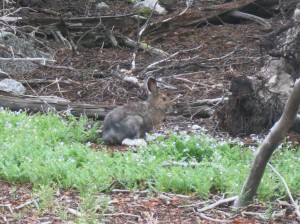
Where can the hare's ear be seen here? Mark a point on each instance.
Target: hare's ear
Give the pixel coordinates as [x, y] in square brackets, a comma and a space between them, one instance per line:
[152, 85]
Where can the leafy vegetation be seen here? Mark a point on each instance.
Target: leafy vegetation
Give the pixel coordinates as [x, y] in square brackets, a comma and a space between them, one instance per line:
[51, 152]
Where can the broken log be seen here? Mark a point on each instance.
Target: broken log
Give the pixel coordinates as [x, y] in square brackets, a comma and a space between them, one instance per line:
[82, 23]
[201, 108]
[257, 102]
[46, 103]
[250, 109]
[215, 14]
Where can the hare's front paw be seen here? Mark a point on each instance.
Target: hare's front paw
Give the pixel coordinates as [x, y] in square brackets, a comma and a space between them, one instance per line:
[134, 142]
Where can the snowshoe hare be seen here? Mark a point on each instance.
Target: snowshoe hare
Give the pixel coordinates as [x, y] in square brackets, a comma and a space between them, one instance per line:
[134, 120]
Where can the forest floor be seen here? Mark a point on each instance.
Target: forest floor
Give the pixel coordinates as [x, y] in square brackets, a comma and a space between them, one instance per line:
[226, 51]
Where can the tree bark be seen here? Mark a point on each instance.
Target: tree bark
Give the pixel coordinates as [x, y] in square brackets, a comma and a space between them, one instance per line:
[257, 102]
[201, 108]
[41, 104]
[271, 142]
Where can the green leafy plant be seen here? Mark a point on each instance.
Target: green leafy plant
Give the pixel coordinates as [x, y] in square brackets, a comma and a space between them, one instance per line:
[51, 152]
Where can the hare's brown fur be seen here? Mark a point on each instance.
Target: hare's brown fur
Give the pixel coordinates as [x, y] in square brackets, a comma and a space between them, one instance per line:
[136, 119]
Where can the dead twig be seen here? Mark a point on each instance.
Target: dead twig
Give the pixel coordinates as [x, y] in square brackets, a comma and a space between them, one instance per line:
[261, 215]
[178, 195]
[192, 164]
[170, 18]
[139, 38]
[120, 191]
[145, 47]
[126, 76]
[58, 87]
[59, 67]
[217, 203]
[75, 212]
[166, 59]
[44, 60]
[25, 204]
[5, 219]
[38, 96]
[8, 206]
[192, 205]
[211, 219]
[295, 203]
[173, 55]
[122, 214]
[251, 17]
[45, 81]
[165, 198]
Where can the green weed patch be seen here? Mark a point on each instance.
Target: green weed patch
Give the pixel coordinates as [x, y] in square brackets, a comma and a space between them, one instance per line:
[50, 150]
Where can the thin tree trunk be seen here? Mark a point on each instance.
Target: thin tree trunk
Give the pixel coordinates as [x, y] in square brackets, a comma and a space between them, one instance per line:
[271, 142]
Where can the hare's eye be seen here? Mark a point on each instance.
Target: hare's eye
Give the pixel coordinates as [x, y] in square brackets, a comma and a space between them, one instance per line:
[164, 98]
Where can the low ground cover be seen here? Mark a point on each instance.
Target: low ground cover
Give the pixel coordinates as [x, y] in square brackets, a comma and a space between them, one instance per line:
[52, 152]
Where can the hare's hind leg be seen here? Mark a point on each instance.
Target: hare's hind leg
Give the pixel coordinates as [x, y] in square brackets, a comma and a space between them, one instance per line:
[133, 125]
[129, 127]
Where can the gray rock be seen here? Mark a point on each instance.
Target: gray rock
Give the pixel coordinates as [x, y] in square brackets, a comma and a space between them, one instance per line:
[21, 49]
[102, 6]
[12, 86]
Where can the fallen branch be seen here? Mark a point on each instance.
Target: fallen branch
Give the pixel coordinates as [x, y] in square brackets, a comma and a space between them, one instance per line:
[251, 17]
[75, 212]
[2, 73]
[25, 204]
[44, 81]
[145, 47]
[168, 20]
[44, 103]
[122, 214]
[217, 203]
[261, 215]
[8, 206]
[192, 205]
[210, 102]
[59, 67]
[165, 198]
[173, 55]
[120, 191]
[211, 219]
[210, 14]
[200, 108]
[178, 195]
[5, 219]
[192, 164]
[295, 204]
[38, 96]
[9, 19]
[133, 64]
[125, 75]
[82, 23]
[27, 59]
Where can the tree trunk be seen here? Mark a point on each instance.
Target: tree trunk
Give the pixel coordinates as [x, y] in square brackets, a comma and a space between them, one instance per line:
[251, 108]
[258, 101]
[271, 142]
[262, 100]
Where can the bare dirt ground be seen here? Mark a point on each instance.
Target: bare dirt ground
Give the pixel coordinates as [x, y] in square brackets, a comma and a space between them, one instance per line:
[227, 50]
